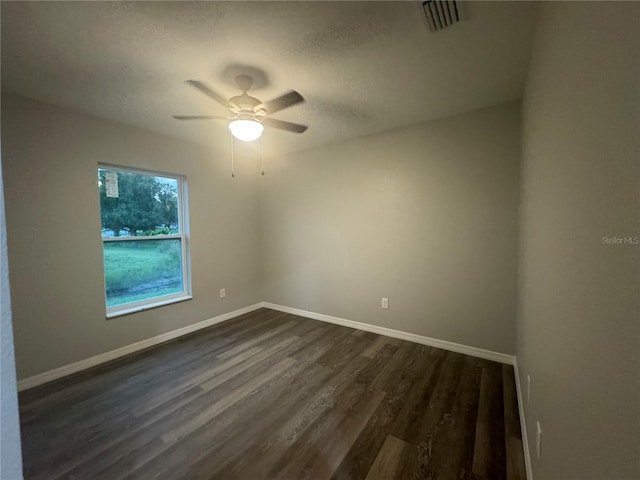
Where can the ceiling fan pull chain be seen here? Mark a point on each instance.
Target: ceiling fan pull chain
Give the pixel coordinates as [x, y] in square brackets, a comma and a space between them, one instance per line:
[262, 154]
[233, 171]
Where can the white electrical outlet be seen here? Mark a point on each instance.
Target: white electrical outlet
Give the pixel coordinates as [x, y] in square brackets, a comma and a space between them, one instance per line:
[384, 303]
[528, 387]
[223, 292]
[538, 439]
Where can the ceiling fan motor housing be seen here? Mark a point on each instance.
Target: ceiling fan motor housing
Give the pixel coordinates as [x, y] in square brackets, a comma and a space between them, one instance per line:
[246, 116]
[243, 103]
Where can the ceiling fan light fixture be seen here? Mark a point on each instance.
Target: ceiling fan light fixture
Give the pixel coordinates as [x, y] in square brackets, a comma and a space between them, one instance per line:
[246, 130]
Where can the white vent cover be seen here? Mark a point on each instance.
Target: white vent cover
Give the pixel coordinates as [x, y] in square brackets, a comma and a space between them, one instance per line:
[440, 13]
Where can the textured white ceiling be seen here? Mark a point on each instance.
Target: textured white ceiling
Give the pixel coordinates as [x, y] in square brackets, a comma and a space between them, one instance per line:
[362, 67]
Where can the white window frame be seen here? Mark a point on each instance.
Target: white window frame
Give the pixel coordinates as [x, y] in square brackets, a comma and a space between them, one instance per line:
[183, 222]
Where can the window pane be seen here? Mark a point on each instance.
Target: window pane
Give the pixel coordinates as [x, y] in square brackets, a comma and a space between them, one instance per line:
[137, 204]
[140, 270]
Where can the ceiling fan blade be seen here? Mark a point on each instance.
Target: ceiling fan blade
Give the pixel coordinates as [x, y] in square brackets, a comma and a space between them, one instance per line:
[282, 102]
[209, 93]
[282, 125]
[199, 117]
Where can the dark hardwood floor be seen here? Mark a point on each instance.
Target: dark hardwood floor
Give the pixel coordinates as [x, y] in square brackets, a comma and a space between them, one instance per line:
[275, 396]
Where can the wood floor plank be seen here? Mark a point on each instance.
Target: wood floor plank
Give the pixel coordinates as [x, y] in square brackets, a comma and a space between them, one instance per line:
[411, 360]
[230, 442]
[513, 436]
[78, 386]
[399, 367]
[440, 446]
[271, 395]
[172, 459]
[87, 410]
[438, 401]
[117, 464]
[255, 371]
[130, 376]
[225, 402]
[418, 395]
[515, 459]
[306, 460]
[482, 454]
[496, 467]
[187, 379]
[387, 462]
[238, 349]
[167, 415]
[278, 445]
[228, 366]
[373, 348]
[453, 450]
[339, 442]
[145, 405]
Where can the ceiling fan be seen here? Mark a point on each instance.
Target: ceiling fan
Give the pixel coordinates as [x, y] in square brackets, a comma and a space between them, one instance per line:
[248, 115]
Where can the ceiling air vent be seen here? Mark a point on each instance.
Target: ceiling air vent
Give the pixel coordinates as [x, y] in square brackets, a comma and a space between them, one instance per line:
[440, 13]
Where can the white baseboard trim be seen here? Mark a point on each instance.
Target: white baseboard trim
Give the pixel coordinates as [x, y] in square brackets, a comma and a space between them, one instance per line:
[63, 371]
[389, 332]
[523, 424]
[60, 372]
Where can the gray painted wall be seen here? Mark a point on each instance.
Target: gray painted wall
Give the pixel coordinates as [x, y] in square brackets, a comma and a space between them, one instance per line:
[578, 327]
[426, 216]
[10, 452]
[50, 157]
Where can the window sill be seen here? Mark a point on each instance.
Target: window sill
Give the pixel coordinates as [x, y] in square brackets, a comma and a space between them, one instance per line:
[149, 306]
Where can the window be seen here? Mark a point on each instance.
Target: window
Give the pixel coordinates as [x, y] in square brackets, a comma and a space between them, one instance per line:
[144, 239]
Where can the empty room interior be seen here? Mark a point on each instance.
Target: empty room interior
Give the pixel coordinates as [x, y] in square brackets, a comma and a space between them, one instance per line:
[320, 240]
